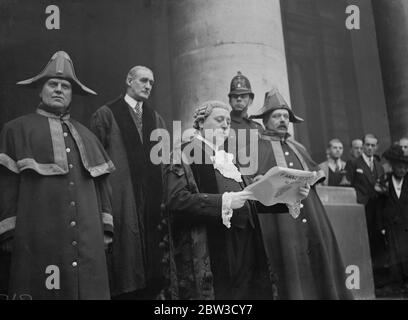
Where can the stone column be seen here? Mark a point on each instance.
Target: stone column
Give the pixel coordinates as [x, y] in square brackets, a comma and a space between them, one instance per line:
[391, 19]
[209, 41]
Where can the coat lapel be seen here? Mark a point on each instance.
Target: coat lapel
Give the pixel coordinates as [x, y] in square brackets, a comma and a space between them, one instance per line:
[133, 145]
[404, 191]
[393, 193]
[203, 173]
[377, 168]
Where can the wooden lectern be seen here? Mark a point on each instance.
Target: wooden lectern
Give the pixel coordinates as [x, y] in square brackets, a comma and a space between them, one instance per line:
[349, 224]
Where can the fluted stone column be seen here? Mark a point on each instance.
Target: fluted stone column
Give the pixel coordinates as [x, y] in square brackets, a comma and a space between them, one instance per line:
[391, 19]
[210, 40]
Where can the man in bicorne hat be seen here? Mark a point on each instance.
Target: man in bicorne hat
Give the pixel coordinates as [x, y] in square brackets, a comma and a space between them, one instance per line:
[55, 212]
[240, 98]
[301, 246]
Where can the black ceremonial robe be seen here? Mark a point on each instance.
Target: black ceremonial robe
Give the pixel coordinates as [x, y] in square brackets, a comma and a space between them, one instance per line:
[303, 252]
[55, 205]
[135, 259]
[207, 260]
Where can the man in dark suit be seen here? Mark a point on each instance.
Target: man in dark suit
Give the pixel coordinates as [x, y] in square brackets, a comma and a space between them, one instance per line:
[364, 173]
[124, 126]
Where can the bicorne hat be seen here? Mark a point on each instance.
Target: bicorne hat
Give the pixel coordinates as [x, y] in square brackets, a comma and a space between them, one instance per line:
[274, 101]
[60, 66]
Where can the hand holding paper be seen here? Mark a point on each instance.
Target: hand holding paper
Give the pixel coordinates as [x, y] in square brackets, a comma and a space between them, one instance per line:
[238, 198]
[283, 185]
[304, 191]
[257, 178]
[231, 201]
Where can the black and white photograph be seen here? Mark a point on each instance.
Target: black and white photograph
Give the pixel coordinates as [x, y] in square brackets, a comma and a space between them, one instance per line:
[221, 152]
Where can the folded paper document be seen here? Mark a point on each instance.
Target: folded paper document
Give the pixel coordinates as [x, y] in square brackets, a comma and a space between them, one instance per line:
[281, 185]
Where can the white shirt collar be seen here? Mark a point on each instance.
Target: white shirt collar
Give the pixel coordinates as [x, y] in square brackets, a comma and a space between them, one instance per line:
[368, 159]
[332, 164]
[397, 186]
[132, 102]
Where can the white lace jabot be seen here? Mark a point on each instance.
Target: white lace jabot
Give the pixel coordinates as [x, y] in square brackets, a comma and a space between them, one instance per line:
[223, 161]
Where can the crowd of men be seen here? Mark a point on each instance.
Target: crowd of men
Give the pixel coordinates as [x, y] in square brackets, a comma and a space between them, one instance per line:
[380, 186]
[85, 214]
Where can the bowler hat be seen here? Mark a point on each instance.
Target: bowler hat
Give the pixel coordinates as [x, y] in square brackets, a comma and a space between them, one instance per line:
[274, 101]
[60, 66]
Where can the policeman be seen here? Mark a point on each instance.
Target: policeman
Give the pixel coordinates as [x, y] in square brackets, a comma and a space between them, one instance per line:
[243, 129]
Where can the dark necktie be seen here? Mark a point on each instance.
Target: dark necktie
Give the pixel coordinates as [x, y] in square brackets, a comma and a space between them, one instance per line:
[371, 164]
[337, 167]
[139, 124]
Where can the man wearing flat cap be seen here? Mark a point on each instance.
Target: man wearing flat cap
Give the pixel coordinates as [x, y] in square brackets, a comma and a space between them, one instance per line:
[55, 212]
[392, 212]
[301, 246]
[215, 246]
[242, 127]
